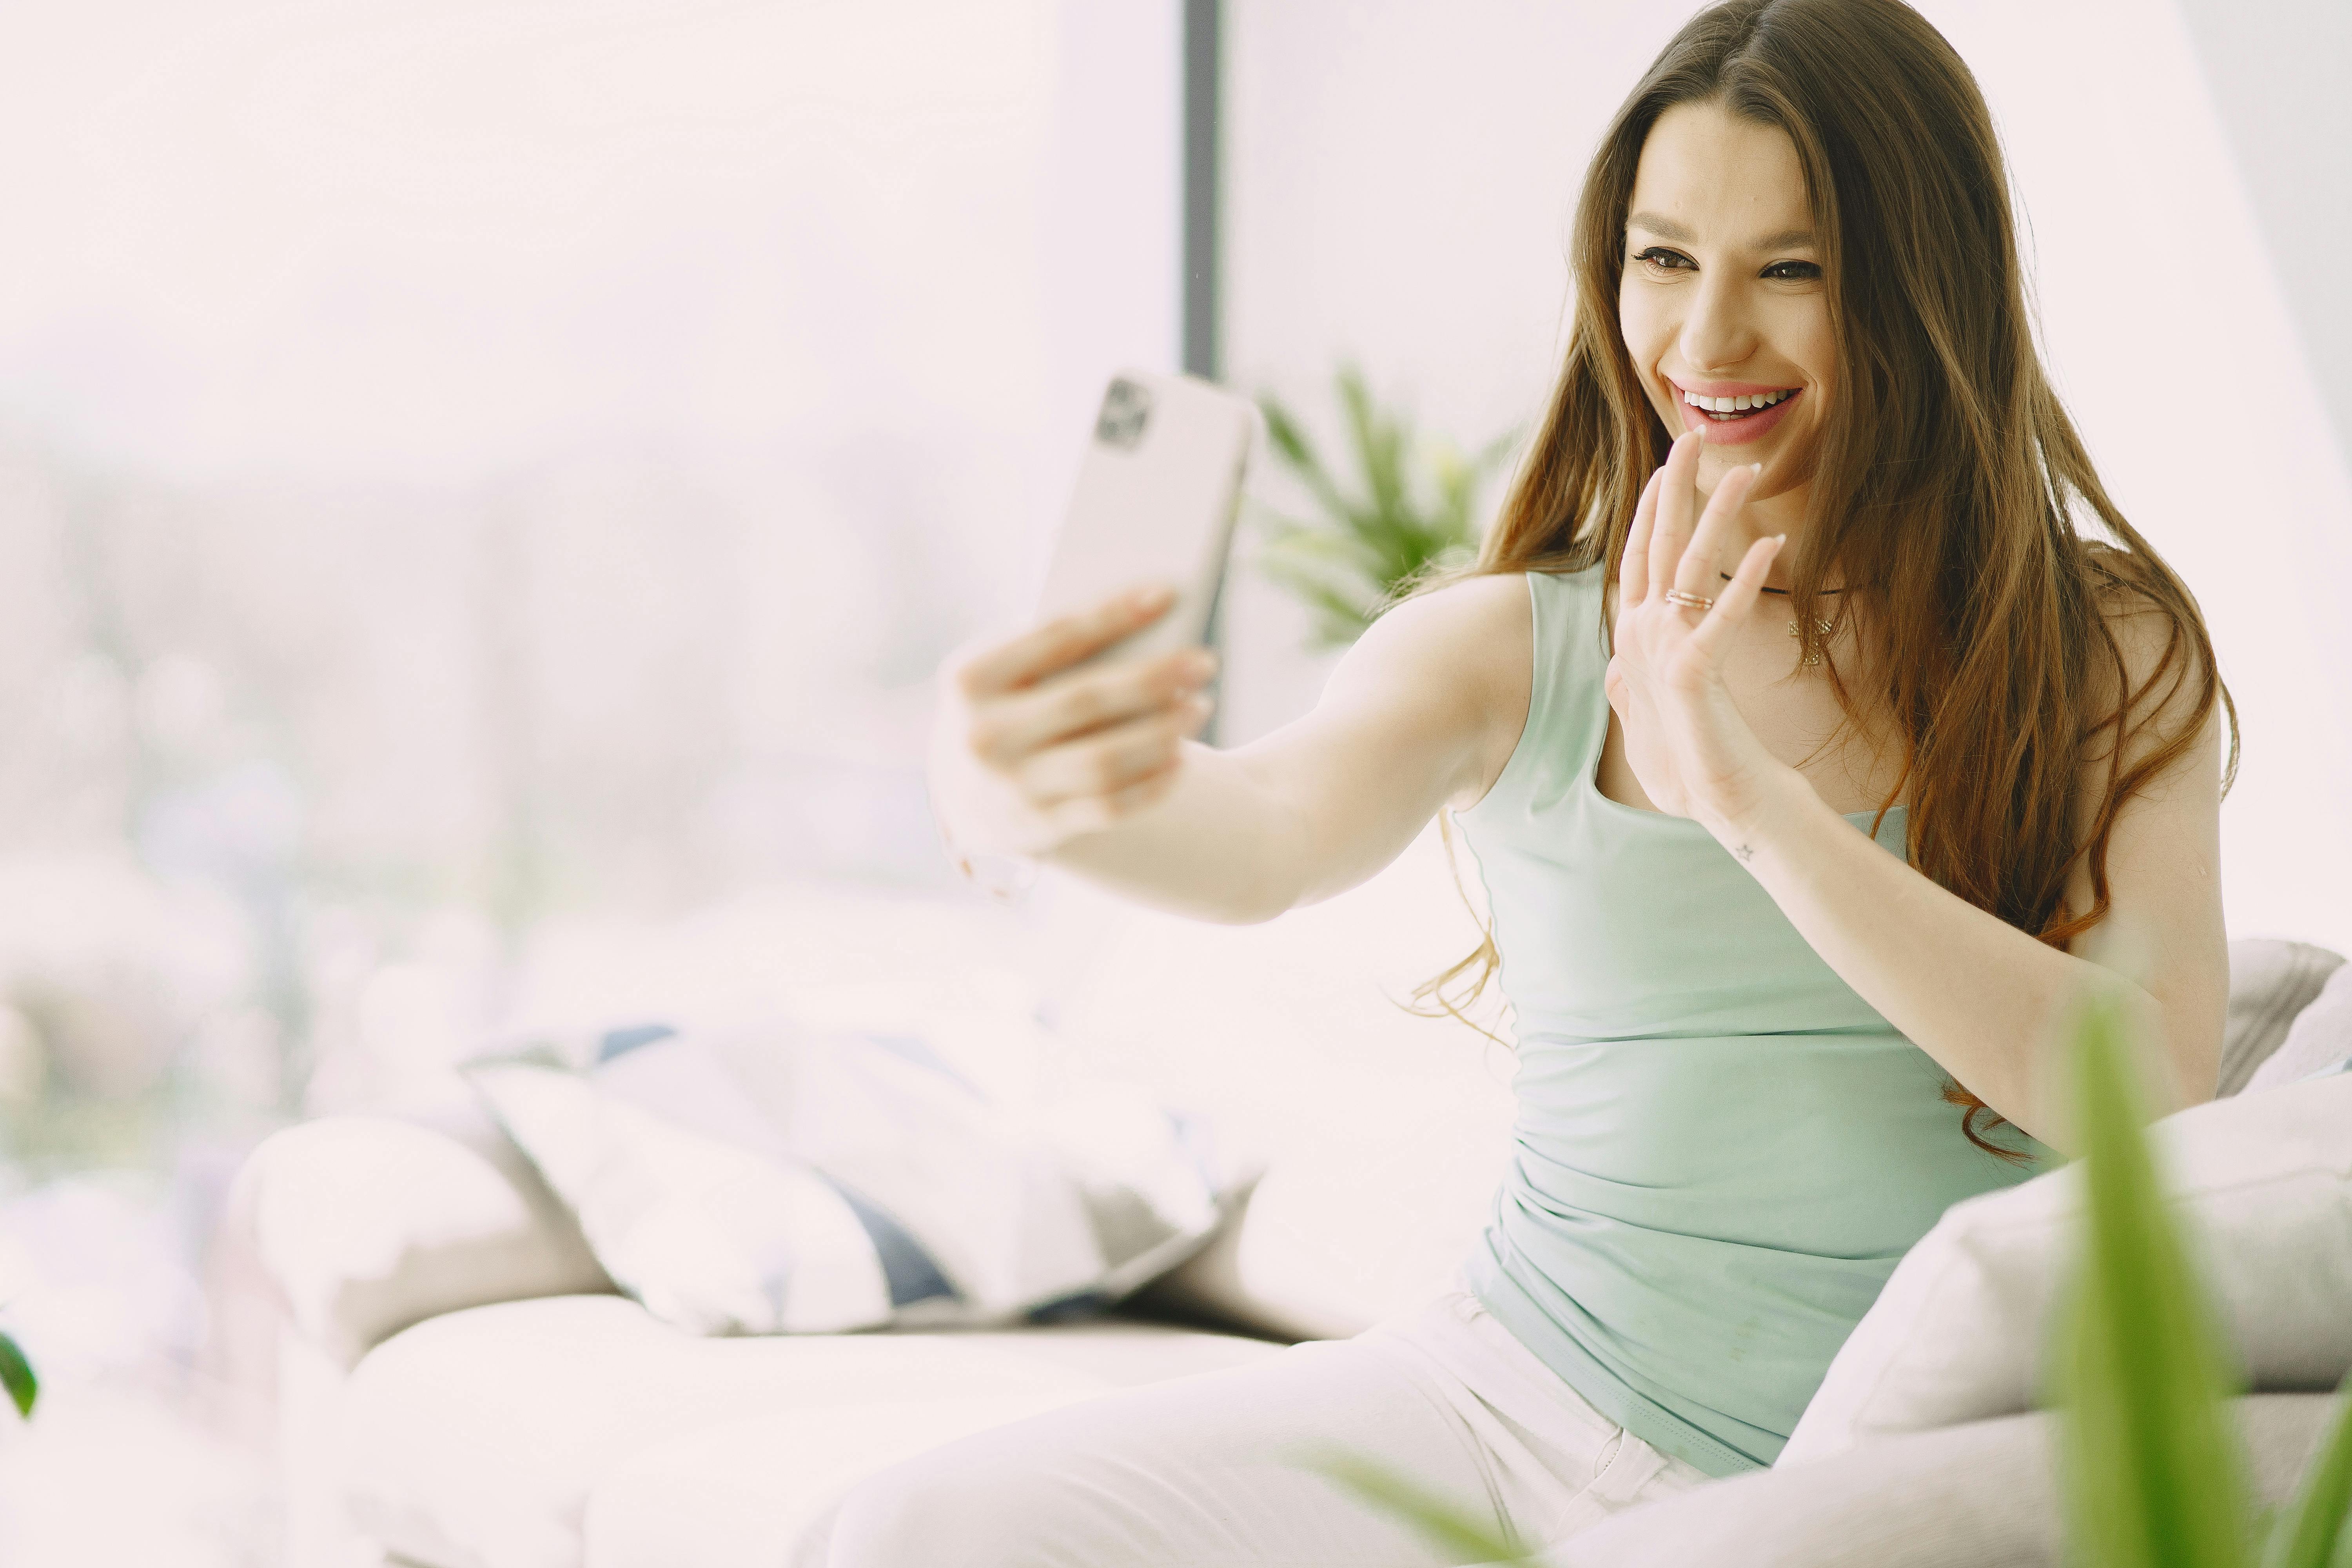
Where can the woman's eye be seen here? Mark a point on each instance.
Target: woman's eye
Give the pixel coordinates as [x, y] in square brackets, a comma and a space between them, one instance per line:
[1801, 270]
[1659, 256]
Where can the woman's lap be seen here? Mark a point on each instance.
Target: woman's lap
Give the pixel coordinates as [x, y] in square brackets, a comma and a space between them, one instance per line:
[1223, 1468]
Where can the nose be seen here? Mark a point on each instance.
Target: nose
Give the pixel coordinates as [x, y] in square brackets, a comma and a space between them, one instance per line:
[1717, 334]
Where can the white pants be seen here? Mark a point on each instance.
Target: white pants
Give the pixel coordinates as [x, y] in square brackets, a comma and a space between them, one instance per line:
[1219, 1469]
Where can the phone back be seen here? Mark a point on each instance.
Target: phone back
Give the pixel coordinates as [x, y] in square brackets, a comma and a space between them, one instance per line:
[1155, 502]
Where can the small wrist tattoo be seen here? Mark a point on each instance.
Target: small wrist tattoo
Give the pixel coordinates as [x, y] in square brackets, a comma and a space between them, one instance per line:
[1745, 853]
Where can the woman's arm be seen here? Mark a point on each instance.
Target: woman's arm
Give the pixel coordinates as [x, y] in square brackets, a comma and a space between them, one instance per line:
[1987, 1001]
[1982, 997]
[1412, 718]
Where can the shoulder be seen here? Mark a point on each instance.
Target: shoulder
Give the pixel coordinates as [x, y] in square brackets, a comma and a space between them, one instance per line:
[1467, 647]
[1464, 604]
[1453, 652]
[1490, 618]
[1478, 630]
[2159, 741]
[2159, 679]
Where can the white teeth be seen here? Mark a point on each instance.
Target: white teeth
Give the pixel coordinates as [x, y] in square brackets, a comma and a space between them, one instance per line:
[1739, 405]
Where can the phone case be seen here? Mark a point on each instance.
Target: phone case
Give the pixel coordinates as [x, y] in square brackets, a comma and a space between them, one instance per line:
[1155, 502]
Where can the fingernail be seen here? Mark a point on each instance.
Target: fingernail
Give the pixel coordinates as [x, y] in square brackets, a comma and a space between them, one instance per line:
[1149, 598]
[1756, 467]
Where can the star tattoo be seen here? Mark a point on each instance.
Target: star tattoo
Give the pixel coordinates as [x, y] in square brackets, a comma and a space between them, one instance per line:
[1745, 853]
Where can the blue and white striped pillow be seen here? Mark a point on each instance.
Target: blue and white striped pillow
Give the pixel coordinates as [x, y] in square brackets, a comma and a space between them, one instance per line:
[865, 1184]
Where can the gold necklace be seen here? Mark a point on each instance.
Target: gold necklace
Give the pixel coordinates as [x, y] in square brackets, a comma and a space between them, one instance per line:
[1820, 626]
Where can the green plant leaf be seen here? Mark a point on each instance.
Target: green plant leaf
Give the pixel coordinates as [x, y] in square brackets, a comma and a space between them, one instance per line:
[16, 1377]
[2152, 1475]
[1378, 444]
[1460, 1537]
[1290, 444]
[1412, 514]
[2311, 1532]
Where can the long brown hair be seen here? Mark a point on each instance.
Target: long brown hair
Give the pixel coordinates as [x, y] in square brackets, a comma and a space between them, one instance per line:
[1948, 486]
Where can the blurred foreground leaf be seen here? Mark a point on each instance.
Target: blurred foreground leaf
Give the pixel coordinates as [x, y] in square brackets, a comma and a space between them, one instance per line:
[16, 1377]
[2153, 1474]
[1445, 1527]
[2311, 1533]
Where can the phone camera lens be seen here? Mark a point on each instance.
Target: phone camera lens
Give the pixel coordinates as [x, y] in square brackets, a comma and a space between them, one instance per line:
[1126, 409]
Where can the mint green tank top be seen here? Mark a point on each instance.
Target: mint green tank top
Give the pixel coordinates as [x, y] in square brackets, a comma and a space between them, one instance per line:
[1720, 1150]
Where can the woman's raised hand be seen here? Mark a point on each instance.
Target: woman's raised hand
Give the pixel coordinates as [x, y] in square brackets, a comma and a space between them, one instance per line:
[1685, 739]
[1028, 753]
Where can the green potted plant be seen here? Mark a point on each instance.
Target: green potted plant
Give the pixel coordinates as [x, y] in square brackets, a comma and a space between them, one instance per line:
[2152, 1471]
[16, 1377]
[1409, 508]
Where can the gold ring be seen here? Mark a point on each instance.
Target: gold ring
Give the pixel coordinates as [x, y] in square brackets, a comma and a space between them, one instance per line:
[1689, 601]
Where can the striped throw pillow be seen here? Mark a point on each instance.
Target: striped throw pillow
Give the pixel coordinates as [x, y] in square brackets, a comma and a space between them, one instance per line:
[863, 1183]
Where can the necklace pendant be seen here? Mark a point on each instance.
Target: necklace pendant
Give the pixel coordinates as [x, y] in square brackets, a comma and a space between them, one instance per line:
[1818, 625]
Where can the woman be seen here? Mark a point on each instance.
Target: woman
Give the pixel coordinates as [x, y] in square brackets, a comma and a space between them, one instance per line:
[1816, 763]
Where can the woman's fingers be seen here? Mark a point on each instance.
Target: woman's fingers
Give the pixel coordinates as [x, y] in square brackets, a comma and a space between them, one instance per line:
[1678, 495]
[1092, 812]
[1107, 760]
[1060, 642]
[1697, 573]
[1633, 572]
[1025, 721]
[1739, 596]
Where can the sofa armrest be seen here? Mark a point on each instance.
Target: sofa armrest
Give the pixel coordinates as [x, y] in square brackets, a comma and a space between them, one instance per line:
[364, 1225]
[1960, 1497]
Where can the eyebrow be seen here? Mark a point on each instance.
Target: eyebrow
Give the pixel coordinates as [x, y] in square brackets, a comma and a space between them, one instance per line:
[1667, 229]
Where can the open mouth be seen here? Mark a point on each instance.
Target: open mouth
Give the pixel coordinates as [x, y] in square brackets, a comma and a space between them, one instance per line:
[1737, 417]
[1725, 410]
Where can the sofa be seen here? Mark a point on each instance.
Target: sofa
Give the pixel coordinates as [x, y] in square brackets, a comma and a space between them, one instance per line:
[458, 1384]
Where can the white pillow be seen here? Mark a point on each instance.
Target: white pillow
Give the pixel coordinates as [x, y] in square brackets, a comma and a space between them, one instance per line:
[2263, 1184]
[793, 1182]
[2319, 1038]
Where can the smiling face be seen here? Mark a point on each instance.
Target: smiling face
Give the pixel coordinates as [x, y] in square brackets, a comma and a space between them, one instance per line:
[1723, 306]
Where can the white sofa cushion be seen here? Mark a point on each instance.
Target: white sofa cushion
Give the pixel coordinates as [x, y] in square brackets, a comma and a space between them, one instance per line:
[478, 1438]
[366, 1224]
[2271, 981]
[2319, 1038]
[2264, 1184]
[1984, 1495]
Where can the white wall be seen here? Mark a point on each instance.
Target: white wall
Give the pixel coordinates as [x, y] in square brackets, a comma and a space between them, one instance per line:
[2276, 70]
[1400, 178]
[635, 399]
[466, 460]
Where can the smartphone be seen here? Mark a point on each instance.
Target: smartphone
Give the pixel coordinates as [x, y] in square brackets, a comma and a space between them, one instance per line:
[1155, 502]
